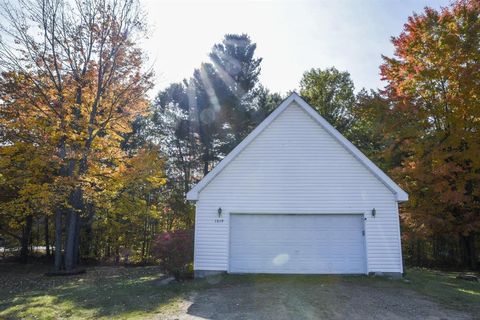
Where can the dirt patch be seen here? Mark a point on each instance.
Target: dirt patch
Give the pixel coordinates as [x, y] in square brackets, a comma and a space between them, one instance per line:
[301, 298]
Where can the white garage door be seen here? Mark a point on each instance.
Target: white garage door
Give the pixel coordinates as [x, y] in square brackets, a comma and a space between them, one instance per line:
[297, 244]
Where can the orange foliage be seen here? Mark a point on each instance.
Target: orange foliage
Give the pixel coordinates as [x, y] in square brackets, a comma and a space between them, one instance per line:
[433, 84]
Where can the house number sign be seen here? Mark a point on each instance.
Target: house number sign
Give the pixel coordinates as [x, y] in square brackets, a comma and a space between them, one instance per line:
[218, 220]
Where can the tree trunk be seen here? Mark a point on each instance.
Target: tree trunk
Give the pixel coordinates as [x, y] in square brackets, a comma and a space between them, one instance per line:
[71, 248]
[70, 240]
[186, 180]
[87, 242]
[144, 242]
[58, 240]
[473, 252]
[205, 168]
[26, 232]
[419, 252]
[75, 201]
[47, 237]
[60, 210]
[76, 247]
[468, 251]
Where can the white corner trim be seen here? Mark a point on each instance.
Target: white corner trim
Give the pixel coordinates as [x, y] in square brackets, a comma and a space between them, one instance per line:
[400, 195]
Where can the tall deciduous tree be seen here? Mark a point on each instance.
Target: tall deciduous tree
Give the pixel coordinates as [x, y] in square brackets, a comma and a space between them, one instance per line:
[368, 130]
[331, 93]
[74, 67]
[433, 80]
[27, 190]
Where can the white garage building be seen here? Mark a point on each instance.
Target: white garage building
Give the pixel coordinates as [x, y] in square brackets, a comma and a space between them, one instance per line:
[296, 197]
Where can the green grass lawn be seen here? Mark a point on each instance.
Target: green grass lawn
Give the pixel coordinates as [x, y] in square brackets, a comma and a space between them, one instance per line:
[103, 292]
[134, 292]
[445, 288]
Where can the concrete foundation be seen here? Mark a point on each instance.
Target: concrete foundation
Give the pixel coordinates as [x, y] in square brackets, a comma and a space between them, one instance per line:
[206, 273]
[394, 275]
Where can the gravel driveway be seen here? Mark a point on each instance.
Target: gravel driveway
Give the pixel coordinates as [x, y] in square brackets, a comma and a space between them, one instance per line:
[295, 297]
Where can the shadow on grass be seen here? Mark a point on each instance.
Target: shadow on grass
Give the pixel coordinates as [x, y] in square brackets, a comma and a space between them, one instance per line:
[127, 295]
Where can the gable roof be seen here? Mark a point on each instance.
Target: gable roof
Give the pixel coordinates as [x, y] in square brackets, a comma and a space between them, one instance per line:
[400, 195]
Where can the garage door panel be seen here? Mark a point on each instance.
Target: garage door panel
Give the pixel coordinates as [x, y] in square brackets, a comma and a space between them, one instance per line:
[297, 244]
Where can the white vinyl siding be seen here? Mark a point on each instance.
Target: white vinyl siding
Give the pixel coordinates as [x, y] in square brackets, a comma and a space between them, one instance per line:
[295, 166]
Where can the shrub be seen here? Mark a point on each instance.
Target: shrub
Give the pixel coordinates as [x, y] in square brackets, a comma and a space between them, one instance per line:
[175, 252]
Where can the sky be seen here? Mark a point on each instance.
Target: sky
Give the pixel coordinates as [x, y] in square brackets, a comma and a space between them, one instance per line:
[291, 36]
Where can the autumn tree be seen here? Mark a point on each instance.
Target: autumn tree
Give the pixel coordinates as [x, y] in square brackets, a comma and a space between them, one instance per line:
[129, 206]
[27, 192]
[74, 68]
[28, 188]
[368, 132]
[433, 83]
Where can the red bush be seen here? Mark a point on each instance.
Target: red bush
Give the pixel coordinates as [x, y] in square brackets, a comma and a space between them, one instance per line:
[175, 252]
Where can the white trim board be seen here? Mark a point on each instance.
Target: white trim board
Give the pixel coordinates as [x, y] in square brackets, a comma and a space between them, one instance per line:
[400, 195]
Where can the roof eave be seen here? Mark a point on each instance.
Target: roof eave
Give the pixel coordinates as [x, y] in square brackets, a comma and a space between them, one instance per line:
[192, 195]
[401, 196]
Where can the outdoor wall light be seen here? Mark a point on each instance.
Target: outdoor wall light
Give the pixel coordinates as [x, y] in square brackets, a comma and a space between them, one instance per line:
[219, 212]
[374, 212]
